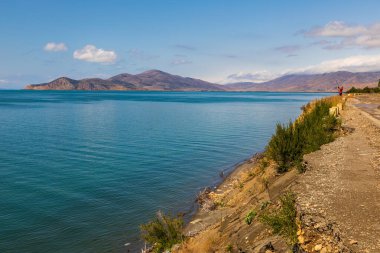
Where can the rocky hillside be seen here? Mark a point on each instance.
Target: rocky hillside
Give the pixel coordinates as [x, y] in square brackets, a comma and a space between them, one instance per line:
[311, 82]
[149, 80]
[159, 80]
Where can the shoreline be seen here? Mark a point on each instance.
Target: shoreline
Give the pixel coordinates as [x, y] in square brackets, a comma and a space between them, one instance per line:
[225, 222]
[227, 175]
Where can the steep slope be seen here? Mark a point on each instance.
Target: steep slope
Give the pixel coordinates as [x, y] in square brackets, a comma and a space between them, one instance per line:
[311, 82]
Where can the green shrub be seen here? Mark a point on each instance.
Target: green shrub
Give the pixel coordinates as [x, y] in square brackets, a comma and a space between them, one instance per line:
[283, 221]
[364, 90]
[264, 205]
[290, 142]
[229, 248]
[250, 217]
[163, 232]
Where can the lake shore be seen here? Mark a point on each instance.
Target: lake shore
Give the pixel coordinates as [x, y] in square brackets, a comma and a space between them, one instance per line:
[328, 214]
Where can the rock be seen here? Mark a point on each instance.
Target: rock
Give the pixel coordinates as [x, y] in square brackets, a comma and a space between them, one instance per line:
[323, 250]
[195, 221]
[318, 247]
[266, 247]
[352, 242]
[301, 239]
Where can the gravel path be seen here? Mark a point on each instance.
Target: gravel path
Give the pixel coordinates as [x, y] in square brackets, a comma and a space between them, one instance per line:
[342, 183]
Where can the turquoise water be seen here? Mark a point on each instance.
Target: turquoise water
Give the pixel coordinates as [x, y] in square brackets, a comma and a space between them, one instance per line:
[79, 171]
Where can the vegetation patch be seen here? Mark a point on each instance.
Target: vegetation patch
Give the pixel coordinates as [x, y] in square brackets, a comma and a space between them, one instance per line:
[283, 221]
[311, 130]
[163, 232]
[250, 217]
[365, 89]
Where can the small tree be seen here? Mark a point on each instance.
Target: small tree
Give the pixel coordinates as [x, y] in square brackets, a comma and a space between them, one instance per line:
[162, 232]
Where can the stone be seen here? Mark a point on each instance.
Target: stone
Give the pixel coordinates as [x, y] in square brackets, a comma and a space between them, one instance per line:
[318, 247]
[352, 242]
[333, 111]
[340, 107]
[323, 250]
[195, 221]
[301, 239]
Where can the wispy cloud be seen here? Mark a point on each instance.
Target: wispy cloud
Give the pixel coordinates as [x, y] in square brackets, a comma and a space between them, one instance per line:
[255, 76]
[55, 47]
[3, 81]
[185, 47]
[180, 61]
[288, 49]
[91, 53]
[230, 56]
[342, 35]
[140, 55]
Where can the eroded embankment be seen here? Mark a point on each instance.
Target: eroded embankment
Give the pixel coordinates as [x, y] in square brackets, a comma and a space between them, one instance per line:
[337, 200]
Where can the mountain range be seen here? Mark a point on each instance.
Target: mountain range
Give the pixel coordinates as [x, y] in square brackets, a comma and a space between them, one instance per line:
[148, 80]
[159, 80]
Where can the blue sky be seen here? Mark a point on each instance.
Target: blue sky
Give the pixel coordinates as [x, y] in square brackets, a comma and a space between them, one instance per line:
[215, 40]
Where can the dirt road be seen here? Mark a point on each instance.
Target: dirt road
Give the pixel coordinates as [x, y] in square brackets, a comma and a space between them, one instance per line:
[342, 183]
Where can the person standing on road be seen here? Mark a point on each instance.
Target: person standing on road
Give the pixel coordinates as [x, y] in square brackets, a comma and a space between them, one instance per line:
[340, 90]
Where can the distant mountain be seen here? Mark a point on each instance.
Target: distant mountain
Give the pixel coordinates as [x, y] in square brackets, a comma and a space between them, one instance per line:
[311, 82]
[148, 80]
[158, 80]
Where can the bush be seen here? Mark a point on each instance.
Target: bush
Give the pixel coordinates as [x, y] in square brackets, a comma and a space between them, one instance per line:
[364, 90]
[290, 142]
[163, 232]
[250, 217]
[283, 221]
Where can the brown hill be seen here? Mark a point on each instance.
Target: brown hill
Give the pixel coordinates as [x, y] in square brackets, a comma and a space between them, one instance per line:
[149, 80]
[158, 80]
[311, 82]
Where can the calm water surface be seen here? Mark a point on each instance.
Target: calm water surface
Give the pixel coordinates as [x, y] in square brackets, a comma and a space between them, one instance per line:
[79, 171]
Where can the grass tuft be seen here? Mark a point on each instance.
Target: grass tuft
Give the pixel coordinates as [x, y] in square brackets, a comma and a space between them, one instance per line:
[283, 220]
[250, 217]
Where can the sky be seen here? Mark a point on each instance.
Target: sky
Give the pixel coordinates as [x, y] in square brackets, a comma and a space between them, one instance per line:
[219, 41]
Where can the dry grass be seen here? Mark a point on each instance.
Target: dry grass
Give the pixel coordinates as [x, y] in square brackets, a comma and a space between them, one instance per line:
[205, 242]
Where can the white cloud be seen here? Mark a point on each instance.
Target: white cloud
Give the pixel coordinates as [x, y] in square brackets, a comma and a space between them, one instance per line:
[337, 29]
[3, 81]
[358, 63]
[92, 54]
[255, 76]
[55, 47]
[180, 61]
[348, 35]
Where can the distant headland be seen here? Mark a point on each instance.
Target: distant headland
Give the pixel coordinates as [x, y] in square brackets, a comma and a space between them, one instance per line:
[161, 81]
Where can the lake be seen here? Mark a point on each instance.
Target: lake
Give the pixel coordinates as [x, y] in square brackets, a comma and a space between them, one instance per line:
[80, 170]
